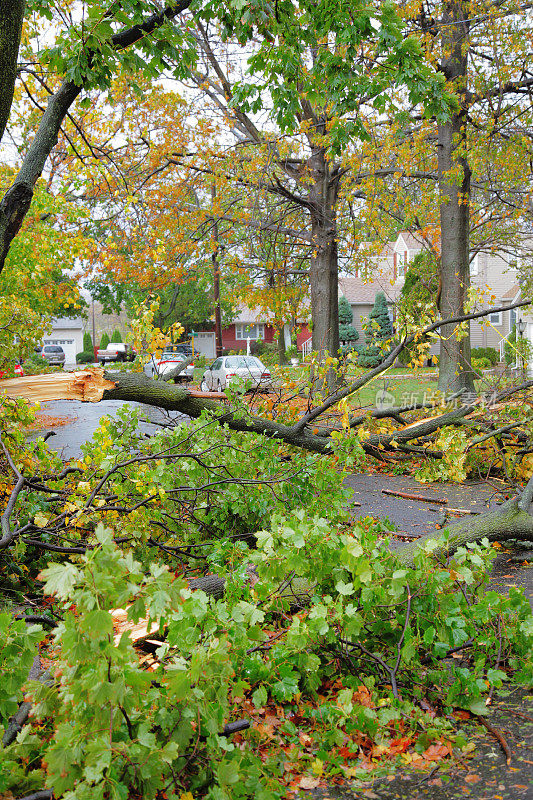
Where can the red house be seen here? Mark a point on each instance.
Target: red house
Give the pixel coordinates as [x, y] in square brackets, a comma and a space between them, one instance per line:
[247, 325]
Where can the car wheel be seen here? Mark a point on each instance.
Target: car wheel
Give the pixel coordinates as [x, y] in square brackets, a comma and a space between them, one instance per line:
[203, 386]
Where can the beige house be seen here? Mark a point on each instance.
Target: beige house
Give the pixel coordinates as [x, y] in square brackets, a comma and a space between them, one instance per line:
[495, 275]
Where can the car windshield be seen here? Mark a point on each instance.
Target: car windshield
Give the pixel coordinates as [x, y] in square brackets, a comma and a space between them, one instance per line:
[53, 349]
[172, 357]
[243, 362]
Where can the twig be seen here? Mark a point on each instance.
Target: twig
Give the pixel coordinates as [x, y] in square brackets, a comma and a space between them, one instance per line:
[429, 775]
[38, 619]
[497, 735]
[42, 794]
[265, 645]
[418, 497]
[235, 727]
[458, 511]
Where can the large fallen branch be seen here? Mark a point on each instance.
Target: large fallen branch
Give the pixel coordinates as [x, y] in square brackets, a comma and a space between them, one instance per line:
[93, 385]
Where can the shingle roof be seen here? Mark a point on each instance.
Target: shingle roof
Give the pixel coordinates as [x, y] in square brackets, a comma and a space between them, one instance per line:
[511, 293]
[246, 315]
[360, 292]
[65, 322]
[412, 241]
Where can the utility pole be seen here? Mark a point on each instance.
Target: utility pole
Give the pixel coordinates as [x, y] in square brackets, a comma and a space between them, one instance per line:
[216, 279]
[94, 332]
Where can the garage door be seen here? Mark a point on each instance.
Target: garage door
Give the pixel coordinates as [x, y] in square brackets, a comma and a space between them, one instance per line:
[69, 347]
[204, 343]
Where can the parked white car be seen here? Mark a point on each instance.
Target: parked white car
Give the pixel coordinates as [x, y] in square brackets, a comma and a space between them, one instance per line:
[224, 369]
[162, 367]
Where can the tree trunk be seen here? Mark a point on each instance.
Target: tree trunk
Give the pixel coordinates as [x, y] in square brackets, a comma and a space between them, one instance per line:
[454, 187]
[324, 268]
[282, 353]
[508, 522]
[11, 17]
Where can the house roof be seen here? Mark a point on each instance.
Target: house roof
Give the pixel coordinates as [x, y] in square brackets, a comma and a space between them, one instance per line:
[512, 292]
[247, 316]
[64, 323]
[360, 292]
[412, 241]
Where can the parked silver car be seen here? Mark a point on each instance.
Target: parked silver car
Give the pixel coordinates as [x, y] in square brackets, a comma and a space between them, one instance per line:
[53, 353]
[162, 367]
[224, 369]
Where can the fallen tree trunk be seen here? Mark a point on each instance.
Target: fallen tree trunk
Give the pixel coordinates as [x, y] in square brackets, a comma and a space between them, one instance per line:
[94, 385]
[509, 521]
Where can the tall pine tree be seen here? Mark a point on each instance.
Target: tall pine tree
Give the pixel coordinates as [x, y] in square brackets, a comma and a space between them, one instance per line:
[378, 331]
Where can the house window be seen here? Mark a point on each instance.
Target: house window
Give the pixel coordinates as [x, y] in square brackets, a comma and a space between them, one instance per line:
[250, 331]
[474, 265]
[512, 319]
[401, 261]
[495, 318]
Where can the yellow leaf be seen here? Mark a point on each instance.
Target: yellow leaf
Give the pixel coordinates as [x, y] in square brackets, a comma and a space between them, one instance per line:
[41, 520]
[318, 767]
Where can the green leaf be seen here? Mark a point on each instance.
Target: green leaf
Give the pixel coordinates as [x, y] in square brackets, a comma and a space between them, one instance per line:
[60, 579]
[260, 696]
[477, 706]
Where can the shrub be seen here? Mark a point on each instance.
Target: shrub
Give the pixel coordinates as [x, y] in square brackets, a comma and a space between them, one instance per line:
[116, 337]
[87, 342]
[104, 341]
[345, 349]
[481, 363]
[490, 353]
[35, 364]
[85, 357]
[347, 332]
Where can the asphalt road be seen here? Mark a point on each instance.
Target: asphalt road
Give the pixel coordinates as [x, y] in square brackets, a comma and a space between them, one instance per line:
[85, 419]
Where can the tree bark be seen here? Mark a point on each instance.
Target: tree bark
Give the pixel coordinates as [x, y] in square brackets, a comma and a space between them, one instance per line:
[324, 269]
[454, 186]
[282, 353]
[507, 522]
[11, 18]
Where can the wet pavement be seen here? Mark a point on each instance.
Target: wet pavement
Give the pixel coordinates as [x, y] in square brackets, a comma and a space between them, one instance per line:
[414, 517]
[84, 419]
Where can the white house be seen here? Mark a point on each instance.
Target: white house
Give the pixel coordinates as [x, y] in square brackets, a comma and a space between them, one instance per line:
[496, 274]
[69, 334]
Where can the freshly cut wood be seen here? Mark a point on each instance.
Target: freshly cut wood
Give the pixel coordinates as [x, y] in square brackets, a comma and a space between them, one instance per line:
[136, 632]
[86, 385]
[418, 497]
[208, 395]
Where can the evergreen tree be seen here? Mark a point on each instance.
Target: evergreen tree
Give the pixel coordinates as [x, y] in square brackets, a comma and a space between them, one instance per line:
[104, 341]
[347, 332]
[117, 336]
[417, 299]
[87, 342]
[377, 331]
